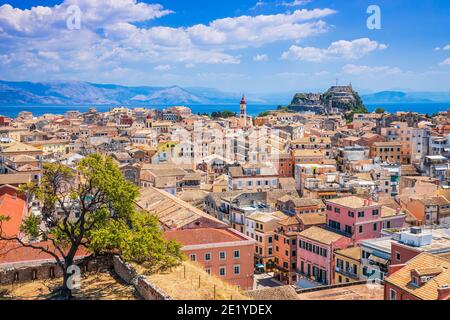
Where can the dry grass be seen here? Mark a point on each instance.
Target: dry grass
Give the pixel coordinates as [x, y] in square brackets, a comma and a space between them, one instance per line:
[99, 286]
[179, 287]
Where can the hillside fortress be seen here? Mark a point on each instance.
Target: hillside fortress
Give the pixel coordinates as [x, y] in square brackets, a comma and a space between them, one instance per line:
[335, 99]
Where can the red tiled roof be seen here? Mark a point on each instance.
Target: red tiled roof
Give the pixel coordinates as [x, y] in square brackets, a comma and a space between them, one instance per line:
[14, 208]
[12, 252]
[203, 236]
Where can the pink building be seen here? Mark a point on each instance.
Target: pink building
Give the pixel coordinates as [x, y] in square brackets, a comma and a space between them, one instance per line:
[223, 252]
[354, 217]
[360, 218]
[315, 254]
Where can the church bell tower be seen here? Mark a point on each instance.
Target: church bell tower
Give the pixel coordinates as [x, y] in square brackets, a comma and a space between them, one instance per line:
[243, 111]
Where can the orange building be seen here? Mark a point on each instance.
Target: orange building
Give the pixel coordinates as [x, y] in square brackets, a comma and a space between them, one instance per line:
[387, 151]
[306, 156]
[284, 165]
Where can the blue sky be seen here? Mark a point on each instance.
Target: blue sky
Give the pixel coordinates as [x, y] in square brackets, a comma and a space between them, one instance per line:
[243, 46]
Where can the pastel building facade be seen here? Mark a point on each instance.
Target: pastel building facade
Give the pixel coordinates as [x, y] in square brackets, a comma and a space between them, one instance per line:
[354, 217]
[224, 253]
[315, 253]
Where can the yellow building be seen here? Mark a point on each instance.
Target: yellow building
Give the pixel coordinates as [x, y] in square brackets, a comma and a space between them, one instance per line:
[347, 265]
[166, 151]
[54, 146]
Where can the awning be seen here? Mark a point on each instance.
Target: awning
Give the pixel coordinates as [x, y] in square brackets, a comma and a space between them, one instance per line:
[260, 265]
[379, 260]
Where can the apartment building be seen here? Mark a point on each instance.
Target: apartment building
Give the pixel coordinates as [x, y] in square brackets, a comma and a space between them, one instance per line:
[264, 229]
[222, 252]
[354, 217]
[252, 177]
[390, 151]
[316, 247]
[347, 265]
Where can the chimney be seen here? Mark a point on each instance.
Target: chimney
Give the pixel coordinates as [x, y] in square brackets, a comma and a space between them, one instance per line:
[444, 292]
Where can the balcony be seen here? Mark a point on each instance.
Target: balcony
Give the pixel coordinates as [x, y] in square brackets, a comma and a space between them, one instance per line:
[338, 231]
[348, 273]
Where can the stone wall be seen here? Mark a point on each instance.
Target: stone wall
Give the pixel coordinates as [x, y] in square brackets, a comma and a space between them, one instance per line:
[48, 269]
[124, 270]
[149, 291]
[146, 289]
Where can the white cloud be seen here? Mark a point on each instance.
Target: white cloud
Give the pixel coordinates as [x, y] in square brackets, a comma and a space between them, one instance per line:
[163, 67]
[437, 49]
[189, 65]
[322, 73]
[36, 40]
[361, 69]
[339, 49]
[258, 4]
[261, 57]
[447, 47]
[211, 76]
[446, 62]
[48, 55]
[95, 14]
[295, 3]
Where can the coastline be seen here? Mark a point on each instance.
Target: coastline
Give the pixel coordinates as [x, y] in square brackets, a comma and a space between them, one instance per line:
[252, 110]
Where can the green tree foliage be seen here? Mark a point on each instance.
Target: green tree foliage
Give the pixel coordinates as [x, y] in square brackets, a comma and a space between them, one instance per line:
[264, 114]
[223, 114]
[93, 208]
[379, 110]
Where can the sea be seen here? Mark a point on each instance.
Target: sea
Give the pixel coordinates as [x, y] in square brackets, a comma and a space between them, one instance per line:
[253, 110]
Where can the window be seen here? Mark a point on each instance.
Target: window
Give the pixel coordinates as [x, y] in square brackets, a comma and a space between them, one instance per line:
[222, 255]
[222, 271]
[193, 257]
[375, 212]
[237, 254]
[360, 229]
[207, 256]
[351, 214]
[361, 214]
[348, 229]
[392, 294]
[337, 210]
[375, 226]
[398, 256]
[237, 269]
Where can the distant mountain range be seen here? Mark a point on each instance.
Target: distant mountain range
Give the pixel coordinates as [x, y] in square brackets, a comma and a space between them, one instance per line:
[405, 97]
[83, 93]
[86, 93]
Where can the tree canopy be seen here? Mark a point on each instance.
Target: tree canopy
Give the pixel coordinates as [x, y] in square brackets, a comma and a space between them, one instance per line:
[92, 208]
[223, 114]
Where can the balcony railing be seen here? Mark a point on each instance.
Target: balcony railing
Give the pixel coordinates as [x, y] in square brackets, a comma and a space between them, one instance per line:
[348, 273]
